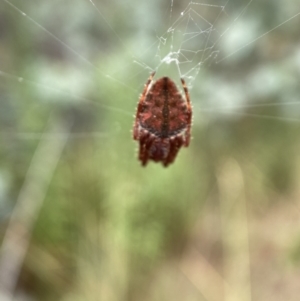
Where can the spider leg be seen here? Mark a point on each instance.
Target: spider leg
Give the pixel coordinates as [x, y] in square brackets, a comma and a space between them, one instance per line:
[143, 153]
[175, 145]
[140, 106]
[189, 113]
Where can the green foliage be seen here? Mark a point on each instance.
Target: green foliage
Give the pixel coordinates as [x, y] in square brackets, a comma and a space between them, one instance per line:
[109, 228]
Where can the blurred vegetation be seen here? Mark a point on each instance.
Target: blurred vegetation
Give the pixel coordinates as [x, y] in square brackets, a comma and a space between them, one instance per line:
[111, 230]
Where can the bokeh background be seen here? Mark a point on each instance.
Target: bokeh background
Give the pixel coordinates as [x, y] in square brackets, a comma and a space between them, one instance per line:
[80, 219]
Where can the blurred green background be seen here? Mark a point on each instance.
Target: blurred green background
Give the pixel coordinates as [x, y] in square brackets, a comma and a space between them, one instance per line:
[80, 219]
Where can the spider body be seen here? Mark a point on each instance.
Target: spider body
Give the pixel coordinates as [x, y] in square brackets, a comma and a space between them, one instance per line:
[163, 121]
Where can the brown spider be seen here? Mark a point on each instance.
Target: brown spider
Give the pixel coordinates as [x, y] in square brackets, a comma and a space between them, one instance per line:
[163, 121]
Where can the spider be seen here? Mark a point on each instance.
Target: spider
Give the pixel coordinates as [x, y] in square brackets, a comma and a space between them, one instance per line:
[163, 121]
